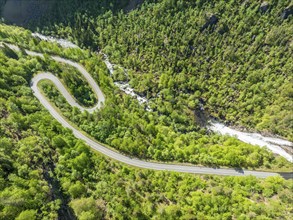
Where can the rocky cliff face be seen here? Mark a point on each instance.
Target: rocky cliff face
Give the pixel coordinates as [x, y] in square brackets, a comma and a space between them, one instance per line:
[133, 4]
[22, 12]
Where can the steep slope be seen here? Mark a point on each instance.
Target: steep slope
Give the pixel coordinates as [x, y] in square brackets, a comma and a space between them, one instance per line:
[226, 57]
[241, 75]
[46, 173]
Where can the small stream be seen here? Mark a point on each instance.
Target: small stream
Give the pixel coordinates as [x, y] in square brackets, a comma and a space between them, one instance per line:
[124, 86]
[273, 144]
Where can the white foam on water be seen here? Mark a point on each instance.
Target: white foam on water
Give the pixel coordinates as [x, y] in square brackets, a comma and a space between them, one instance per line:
[273, 144]
[61, 42]
[109, 65]
[124, 86]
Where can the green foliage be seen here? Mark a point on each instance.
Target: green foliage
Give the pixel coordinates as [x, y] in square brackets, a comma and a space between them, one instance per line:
[237, 66]
[45, 172]
[169, 136]
[278, 116]
[86, 209]
[27, 215]
[148, 135]
[77, 85]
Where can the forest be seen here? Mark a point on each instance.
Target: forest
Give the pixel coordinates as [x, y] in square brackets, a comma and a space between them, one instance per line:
[124, 124]
[237, 69]
[46, 172]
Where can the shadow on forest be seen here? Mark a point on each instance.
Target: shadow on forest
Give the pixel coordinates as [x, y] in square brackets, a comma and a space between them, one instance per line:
[29, 13]
[239, 170]
[42, 16]
[286, 175]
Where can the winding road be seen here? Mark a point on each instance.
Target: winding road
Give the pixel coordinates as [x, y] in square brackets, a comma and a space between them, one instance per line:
[104, 150]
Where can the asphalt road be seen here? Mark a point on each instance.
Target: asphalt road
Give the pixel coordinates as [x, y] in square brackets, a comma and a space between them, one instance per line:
[106, 151]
